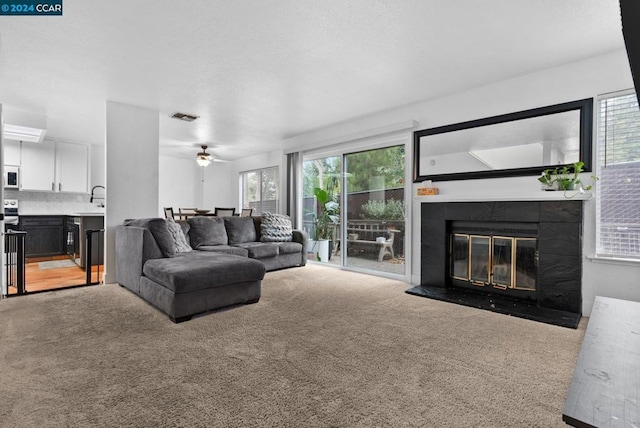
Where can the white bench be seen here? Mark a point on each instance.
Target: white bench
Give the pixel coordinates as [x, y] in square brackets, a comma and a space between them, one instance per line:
[384, 247]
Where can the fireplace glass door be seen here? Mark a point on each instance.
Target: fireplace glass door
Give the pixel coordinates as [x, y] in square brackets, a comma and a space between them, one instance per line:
[527, 257]
[479, 259]
[460, 257]
[502, 262]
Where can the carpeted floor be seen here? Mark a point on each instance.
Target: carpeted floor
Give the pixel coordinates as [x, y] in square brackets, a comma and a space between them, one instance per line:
[322, 348]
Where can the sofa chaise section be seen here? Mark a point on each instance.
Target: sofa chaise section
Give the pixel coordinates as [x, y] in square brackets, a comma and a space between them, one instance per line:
[190, 284]
[186, 283]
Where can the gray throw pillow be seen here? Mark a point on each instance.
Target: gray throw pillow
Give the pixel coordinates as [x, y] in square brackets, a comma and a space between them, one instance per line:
[165, 234]
[185, 226]
[240, 230]
[160, 230]
[207, 231]
[179, 239]
[276, 228]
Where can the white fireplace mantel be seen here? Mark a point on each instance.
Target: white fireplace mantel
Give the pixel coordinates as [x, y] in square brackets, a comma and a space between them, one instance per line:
[541, 195]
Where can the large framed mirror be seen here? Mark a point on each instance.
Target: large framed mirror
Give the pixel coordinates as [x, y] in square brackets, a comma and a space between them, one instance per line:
[521, 143]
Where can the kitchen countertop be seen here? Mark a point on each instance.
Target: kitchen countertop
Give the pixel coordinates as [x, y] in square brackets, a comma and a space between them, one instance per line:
[68, 214]
[87, 214]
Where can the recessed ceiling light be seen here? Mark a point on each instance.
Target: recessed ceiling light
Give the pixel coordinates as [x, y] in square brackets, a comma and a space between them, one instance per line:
[23, 133]
[184, 116]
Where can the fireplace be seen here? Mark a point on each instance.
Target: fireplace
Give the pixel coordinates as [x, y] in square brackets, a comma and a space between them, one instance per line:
[495, 256]
[518, 257]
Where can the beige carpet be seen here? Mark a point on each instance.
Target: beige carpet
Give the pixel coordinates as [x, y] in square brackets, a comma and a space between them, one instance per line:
[322, 348]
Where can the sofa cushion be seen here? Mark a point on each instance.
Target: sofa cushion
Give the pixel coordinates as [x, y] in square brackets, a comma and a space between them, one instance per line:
[179, 239]
[225, 249]
[260, 250]
[240, 230]
[276, 228]
[207, 231]
[185, 226]
[289, 247]
[257, 222]
[200, 270]
[160, 231]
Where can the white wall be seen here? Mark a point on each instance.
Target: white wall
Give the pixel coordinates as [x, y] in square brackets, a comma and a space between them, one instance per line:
[98, 166]
[584, 79]
[219, 188]
[180, 184]
[132, 143]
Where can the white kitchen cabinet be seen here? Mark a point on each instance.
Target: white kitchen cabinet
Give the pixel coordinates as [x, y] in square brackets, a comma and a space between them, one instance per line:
[55, 167]
[37, 170]
[12, 152]
[72, 167]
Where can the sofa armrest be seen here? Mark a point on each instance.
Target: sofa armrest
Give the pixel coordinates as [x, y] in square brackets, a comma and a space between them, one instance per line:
[302, 237]
[134, 246]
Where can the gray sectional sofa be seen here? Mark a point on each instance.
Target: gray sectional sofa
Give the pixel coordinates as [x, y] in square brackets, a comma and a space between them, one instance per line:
[189, 267]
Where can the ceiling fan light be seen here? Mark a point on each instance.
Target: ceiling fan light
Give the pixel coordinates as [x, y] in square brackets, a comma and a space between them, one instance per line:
[203, 158]
[203, 161]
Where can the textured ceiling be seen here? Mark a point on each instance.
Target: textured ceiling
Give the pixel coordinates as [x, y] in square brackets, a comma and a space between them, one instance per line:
[258, 71]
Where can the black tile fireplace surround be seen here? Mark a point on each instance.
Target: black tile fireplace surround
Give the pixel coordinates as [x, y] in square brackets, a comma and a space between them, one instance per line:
[558, 296]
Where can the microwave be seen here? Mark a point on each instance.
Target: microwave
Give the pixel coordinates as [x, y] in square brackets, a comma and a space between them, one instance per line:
[11, 177]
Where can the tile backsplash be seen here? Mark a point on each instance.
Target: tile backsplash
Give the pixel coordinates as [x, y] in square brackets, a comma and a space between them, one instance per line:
[44, 203]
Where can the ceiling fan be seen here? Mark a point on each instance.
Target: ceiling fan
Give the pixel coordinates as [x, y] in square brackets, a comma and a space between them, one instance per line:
[203, 158]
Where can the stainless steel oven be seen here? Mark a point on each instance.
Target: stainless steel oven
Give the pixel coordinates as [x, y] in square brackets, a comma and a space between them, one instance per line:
[11, 218]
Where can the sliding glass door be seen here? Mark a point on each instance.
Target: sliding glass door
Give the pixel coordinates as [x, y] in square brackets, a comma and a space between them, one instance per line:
[354, 209]
[321, 207]
[375, 210]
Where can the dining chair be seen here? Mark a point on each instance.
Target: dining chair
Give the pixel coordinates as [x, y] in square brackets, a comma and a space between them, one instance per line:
[185, 213]
[168, 212]
[246, 212]
[224, 212]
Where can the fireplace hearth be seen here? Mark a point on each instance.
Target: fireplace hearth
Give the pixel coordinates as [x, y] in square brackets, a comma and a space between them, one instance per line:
[516, 257]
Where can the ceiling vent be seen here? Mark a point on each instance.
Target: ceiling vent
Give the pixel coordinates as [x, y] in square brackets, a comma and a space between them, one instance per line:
[184, 116]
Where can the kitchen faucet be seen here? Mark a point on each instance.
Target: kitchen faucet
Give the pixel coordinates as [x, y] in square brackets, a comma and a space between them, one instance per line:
[96, 197]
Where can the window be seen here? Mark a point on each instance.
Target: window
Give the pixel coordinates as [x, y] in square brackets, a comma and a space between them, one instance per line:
[618, 166]
[260, 190]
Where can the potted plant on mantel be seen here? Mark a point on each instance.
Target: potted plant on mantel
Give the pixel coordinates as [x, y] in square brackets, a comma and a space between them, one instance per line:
[329, 215]
[565, 178]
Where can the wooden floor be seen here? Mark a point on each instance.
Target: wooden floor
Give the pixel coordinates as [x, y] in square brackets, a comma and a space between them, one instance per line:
[37, 279]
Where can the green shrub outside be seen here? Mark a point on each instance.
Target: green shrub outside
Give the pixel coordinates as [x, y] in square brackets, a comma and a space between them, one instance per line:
[381, 210]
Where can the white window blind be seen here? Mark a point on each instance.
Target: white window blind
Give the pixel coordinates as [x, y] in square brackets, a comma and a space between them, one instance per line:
[618, 166]
[260, 190]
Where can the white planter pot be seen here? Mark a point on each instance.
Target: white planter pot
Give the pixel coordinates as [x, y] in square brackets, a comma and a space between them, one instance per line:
[322, 252]
[319, 250]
